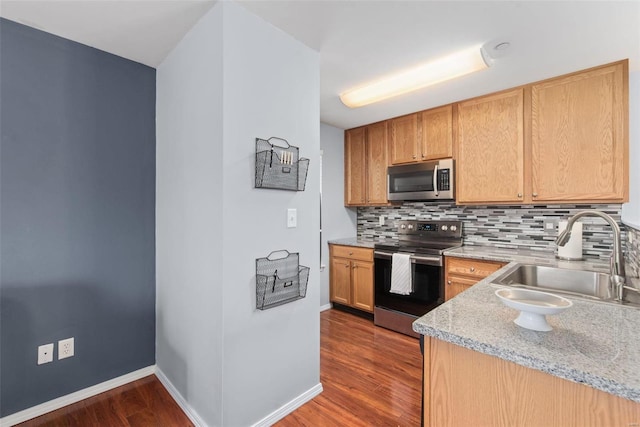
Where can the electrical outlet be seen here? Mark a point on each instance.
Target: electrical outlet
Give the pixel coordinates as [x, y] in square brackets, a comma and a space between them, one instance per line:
[65, 348]
[549, 225]
[381, 220]
[45, 353]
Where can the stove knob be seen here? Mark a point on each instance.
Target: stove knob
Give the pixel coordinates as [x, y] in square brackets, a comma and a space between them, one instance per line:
[410, 227]
[403, 226]
[453, 228]
[444, 228]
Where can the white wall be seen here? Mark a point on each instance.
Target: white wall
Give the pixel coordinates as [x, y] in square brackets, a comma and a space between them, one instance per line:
[189, 218]
[337, 221]
[271, 88]
[631, 210]
[231, 79]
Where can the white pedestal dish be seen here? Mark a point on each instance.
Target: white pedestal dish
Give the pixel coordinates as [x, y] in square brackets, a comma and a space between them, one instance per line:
[533, 306]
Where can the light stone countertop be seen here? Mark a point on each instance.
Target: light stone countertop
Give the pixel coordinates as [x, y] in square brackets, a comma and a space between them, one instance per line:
[525, 256]
[591, 343]
[353, 241]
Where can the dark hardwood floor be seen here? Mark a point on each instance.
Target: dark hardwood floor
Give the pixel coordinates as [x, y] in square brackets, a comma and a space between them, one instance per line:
[371, 377]
[138, 404]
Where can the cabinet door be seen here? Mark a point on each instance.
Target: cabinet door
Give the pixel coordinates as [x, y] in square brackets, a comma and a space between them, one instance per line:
[362, 283]
[403, 138]
[578, 139]
[355, 167]
[436, 133]
[490, 160]
[340, 281]
[455, 285]
[377, 163]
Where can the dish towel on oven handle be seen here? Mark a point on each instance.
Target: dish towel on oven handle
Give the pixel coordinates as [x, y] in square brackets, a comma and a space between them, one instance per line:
[401, 274]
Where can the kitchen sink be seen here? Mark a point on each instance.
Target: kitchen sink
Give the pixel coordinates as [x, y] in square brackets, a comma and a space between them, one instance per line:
[577, 283]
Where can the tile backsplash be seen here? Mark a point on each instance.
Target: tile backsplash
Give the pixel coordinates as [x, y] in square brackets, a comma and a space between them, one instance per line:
[502, 226]
[633, 252]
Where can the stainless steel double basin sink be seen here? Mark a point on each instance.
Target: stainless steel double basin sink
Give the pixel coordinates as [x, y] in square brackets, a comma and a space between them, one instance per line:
[573, 283]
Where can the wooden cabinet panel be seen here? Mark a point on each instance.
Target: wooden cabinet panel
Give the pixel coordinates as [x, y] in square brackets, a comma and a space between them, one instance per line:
[472, 267]
[351, 252]
[365, 165]
[490, 157]
[462, 273]
[340, 289]
[362, 285]
[355, 166]
[578, 137]
[351, 276]
[436, 133]
[403, 139]
[468, 388]
[455, 285]
[377, 161]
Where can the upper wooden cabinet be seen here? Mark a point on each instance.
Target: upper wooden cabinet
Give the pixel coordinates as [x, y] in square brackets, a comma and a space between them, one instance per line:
[490, 151]
[403, 139]
[436, 133]
[365, 153]
[562, 140]
[355, 166]
[579, 149]
[426, 135]
[377, 162]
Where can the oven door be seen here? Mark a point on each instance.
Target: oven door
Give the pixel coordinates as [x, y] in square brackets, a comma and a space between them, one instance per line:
[428, 284]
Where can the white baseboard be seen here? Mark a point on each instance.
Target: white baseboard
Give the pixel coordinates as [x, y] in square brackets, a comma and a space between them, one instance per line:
[60, 402]
[289, 407]
[326, 307]
[186, 408]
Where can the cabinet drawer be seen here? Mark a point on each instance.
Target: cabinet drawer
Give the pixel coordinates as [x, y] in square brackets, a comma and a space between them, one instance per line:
[351, 252]
[471, 267]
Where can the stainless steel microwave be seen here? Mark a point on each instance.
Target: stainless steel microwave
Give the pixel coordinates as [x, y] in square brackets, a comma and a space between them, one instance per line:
[421, 181]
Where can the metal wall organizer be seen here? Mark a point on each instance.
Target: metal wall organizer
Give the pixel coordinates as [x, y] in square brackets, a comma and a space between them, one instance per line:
[279, 166]
[280, 280]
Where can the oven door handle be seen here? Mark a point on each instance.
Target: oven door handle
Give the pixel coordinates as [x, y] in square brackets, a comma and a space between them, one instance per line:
[415, 259]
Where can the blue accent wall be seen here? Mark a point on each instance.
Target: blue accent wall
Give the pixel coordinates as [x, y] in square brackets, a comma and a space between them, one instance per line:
[77, 215]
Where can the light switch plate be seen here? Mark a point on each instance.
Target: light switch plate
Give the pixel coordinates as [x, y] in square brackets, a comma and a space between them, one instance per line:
[292, 218]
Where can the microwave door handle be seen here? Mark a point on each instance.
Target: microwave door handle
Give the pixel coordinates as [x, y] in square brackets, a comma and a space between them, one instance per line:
[435, 180]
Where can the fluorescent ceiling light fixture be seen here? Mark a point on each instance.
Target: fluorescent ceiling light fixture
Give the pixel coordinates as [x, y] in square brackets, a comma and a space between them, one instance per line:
[446, 68]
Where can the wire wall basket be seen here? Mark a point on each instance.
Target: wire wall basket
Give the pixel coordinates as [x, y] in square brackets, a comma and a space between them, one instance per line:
[280, 166]
[280, 280]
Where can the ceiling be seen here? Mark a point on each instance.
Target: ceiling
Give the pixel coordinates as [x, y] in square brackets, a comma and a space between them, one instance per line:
[361, 40]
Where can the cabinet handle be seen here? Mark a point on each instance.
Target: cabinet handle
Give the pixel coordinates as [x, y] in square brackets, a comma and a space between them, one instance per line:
[355, 266]
[472, 269]
[346, 265]
[350, 253]
[414, 156]
[448, 282]
[423, 155]
[535, 194]
[519, 195]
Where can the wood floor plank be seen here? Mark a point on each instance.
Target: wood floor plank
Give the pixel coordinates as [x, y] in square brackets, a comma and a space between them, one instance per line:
[370, 376]
[141, 403]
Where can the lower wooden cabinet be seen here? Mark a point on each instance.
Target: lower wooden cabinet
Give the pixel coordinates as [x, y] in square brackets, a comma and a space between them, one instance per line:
[461, 273]
[351, 277]
[463, 387]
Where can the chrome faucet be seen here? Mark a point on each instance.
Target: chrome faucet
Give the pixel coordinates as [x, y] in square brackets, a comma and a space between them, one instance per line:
[617, 258]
